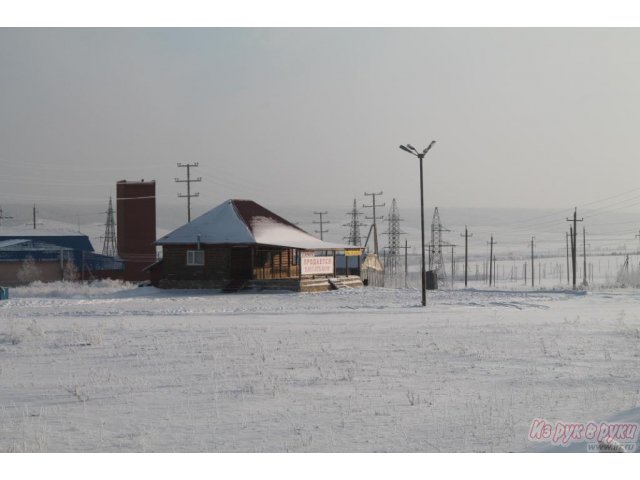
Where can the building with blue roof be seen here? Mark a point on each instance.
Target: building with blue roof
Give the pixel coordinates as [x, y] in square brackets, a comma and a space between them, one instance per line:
[51, 256]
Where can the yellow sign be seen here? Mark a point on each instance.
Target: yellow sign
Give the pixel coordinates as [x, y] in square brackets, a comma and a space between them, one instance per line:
[355, 252]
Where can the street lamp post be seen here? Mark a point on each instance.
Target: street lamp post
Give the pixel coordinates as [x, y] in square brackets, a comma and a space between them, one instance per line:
[410, 149]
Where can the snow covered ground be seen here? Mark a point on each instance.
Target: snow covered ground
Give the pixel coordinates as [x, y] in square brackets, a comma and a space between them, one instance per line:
[110, 367]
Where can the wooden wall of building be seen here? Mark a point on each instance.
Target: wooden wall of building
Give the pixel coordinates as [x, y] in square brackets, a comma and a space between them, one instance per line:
[218, 271]
[215, 273]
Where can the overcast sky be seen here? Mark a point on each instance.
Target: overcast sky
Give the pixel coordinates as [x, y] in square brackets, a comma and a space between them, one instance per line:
[522, 117]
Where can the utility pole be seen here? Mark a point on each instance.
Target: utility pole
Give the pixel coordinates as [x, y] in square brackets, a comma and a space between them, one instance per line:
[491, 259]
[188, 181]
[566, 236]
[572, 262]
[374, 218]
[3, 216]
[532, 267]
[574, 238]
[584, 257]
[406, 263]
[453, 266]
[466, 250]
[637, 234]
[321, 222]
[34, 216]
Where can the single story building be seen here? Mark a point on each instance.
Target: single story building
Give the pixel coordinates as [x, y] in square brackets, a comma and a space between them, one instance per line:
[76, 241]
[240, 244]
[46, 256]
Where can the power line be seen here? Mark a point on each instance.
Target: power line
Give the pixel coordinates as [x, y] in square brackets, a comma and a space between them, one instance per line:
[611, 197]
[526, 224]
[608, 209]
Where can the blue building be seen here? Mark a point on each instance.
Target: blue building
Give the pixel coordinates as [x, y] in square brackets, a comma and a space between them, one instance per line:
[53, 255]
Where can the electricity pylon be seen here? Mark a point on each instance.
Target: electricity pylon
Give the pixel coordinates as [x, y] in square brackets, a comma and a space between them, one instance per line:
[110, 247]
[354, 225]
[394, 232]
[436, 260]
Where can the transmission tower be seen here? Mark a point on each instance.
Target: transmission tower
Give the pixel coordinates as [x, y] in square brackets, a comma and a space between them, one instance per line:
[436, 259]
[110, 247]
[393, 247]
[354, 225]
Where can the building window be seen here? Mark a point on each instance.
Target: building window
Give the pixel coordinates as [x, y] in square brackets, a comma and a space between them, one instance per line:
[195, 257]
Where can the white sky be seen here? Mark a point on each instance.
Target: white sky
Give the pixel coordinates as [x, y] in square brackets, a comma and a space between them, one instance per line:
[522, 117]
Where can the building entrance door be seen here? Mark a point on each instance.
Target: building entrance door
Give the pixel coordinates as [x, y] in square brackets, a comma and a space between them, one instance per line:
[240, 263]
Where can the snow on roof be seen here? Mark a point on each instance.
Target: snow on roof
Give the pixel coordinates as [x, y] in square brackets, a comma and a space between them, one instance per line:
[14, 242]
[245, 222]
[61, 238]
[270, 232]
[30, 244]
[25, 232]
[220, 225]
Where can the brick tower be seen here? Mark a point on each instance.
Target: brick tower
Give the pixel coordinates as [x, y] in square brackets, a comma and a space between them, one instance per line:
[136, 224]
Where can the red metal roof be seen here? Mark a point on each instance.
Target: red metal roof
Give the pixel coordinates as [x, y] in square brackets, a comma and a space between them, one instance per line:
[248, 210]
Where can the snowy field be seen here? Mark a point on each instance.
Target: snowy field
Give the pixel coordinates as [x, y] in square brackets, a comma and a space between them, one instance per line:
[114, 368]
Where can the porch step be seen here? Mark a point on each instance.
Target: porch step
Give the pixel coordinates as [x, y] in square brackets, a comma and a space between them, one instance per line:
[291, 284]
[345, 282]
[286, 284]
[295, 285]
[315, 285]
